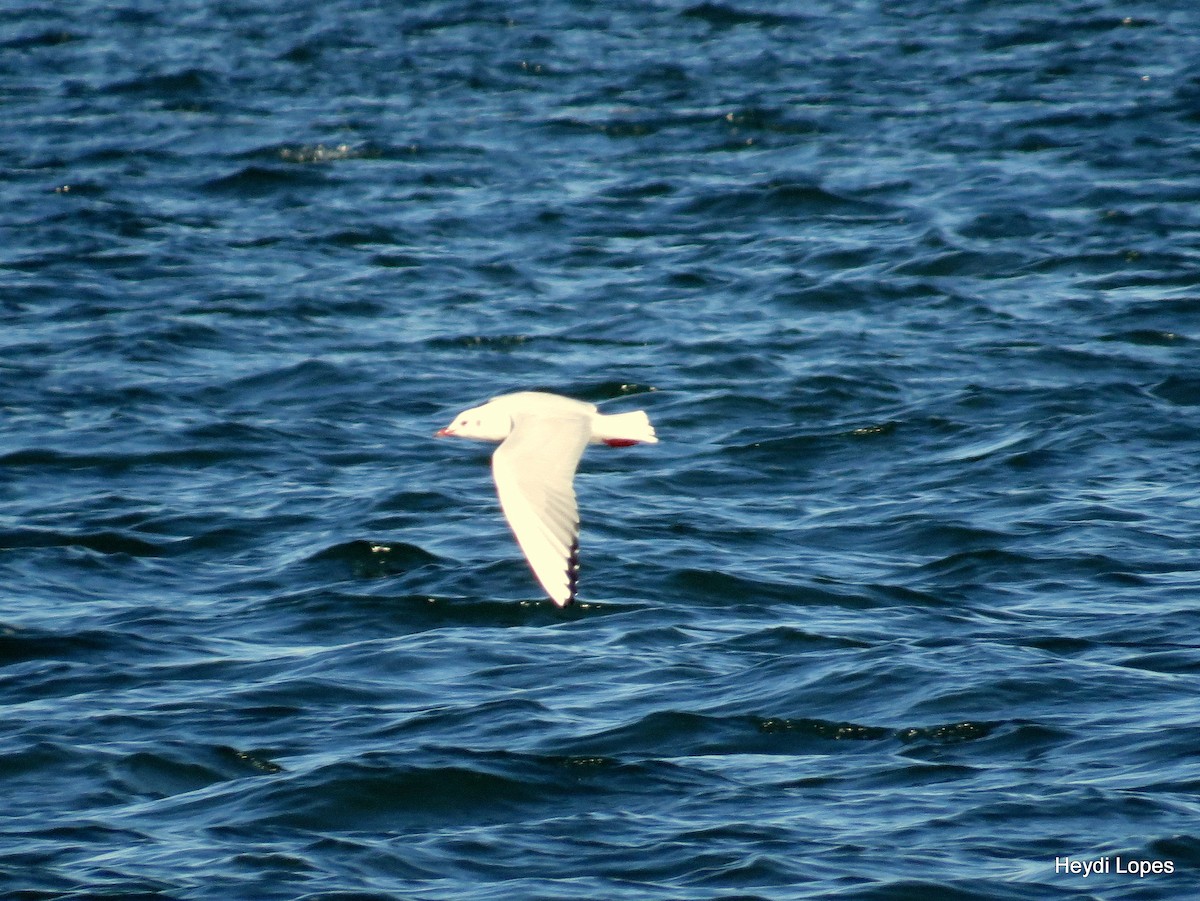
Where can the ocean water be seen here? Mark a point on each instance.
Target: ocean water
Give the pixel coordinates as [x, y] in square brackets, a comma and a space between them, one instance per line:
[905, 604]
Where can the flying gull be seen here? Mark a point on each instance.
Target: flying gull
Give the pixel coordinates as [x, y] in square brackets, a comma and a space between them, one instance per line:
[542, 437]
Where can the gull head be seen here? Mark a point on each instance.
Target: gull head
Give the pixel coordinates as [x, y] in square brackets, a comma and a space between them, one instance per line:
[486, 423]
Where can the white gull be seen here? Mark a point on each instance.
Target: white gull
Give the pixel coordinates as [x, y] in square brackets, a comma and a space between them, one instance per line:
[542, 438]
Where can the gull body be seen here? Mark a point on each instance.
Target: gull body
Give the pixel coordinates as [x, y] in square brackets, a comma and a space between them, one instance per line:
[542, 437]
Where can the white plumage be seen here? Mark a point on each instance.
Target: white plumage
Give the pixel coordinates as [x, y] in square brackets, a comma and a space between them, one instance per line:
[542, 438]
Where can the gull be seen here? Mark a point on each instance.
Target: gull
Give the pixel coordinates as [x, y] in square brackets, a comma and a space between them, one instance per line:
[542, 437]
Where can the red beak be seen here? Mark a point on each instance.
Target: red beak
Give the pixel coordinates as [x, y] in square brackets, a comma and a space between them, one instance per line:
[443, 433]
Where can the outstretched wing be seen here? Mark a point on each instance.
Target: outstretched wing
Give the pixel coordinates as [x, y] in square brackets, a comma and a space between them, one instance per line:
[534, 469]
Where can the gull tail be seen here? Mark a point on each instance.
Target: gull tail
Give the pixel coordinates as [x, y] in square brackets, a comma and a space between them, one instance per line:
[624, 429]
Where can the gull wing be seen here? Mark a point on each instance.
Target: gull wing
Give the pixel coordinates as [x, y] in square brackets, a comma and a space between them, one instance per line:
[534, 469]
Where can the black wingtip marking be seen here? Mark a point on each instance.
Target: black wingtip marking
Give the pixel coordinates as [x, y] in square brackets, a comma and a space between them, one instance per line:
[572, 572]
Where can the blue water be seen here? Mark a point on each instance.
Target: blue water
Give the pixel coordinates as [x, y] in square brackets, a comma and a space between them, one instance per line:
[905, 604]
